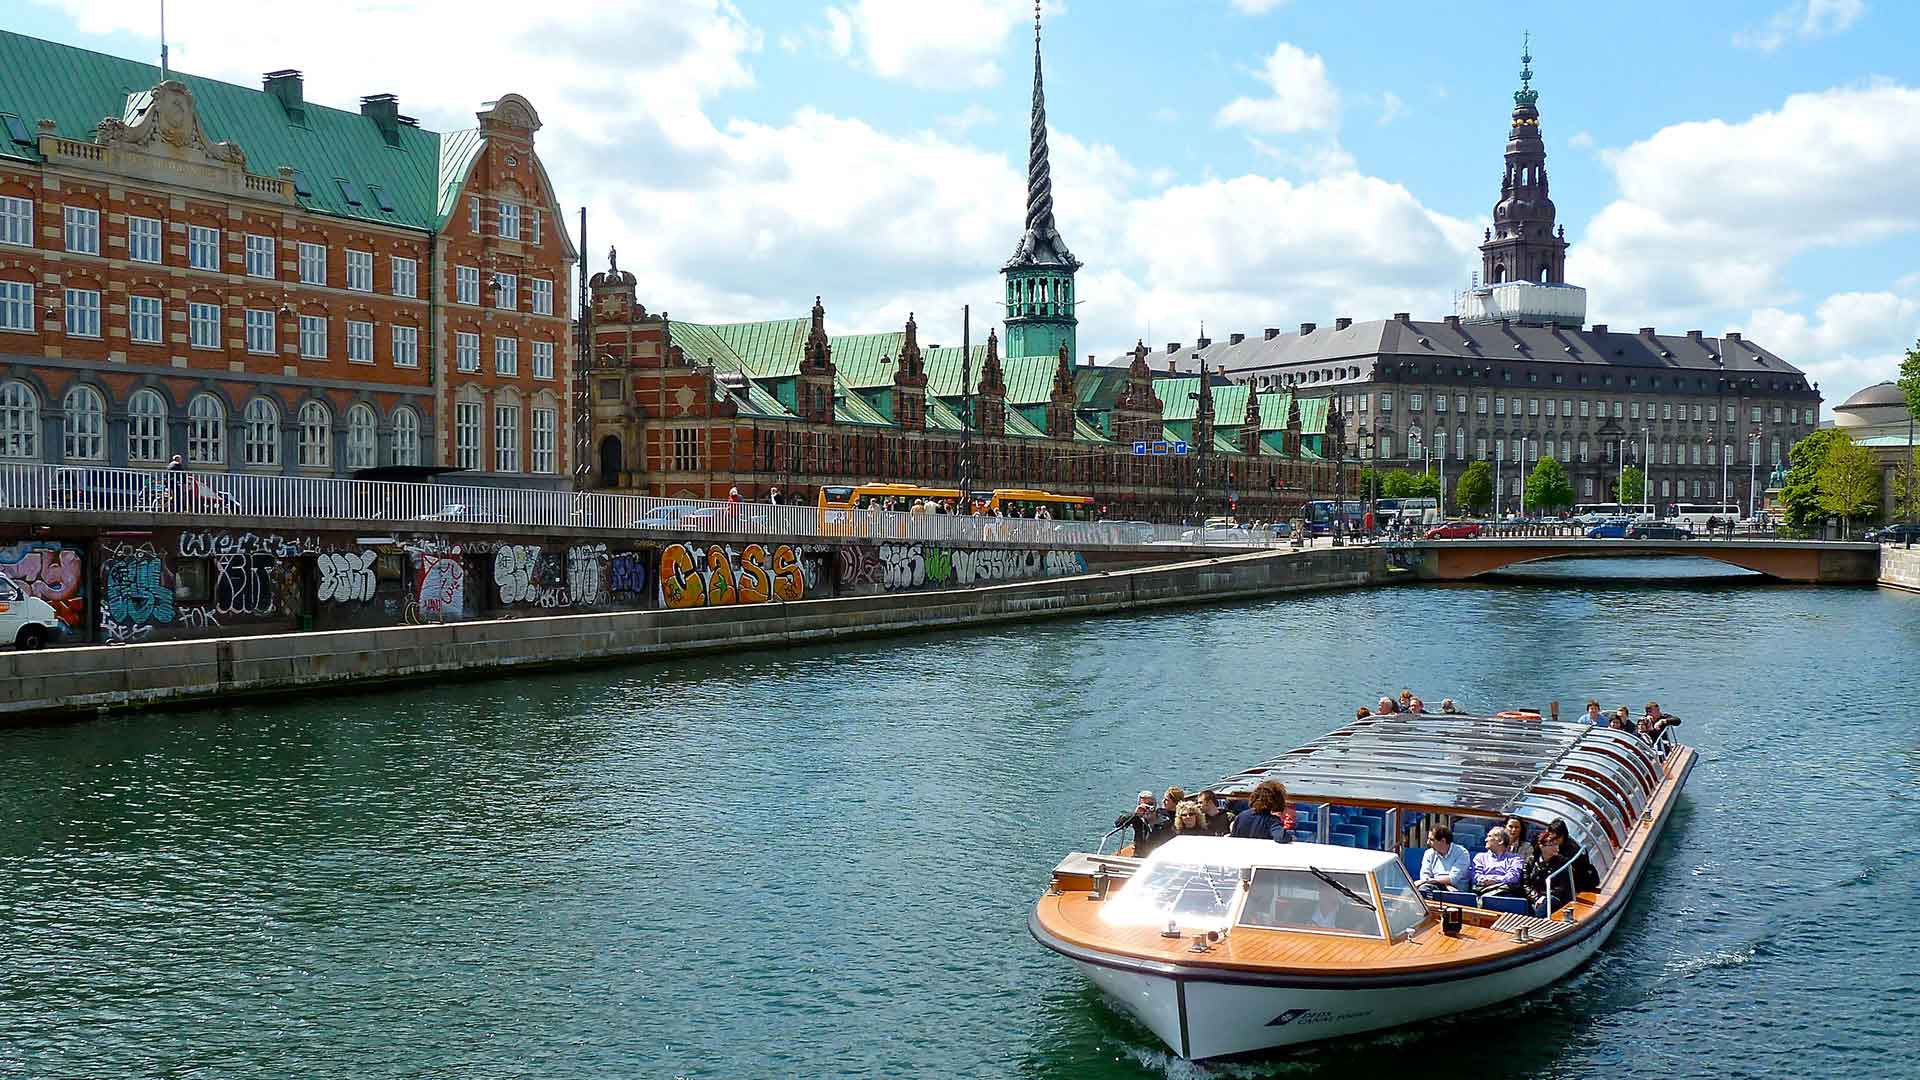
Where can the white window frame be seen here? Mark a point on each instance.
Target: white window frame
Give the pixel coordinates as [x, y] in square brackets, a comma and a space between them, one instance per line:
[203, 325]
[359, 341]
[263, 331]
[506, 437]
[405, 446]
[313, 337]
[533, 224]
[146, 320]
[506, 356]
[506, 292]
[19, 421]
[83, 424]
[466, 285]
[314, 443]
[406, 275]
[261, 444]
[542, 359]
[203, 248]
[473, 215]
[466, 351]
[146, 427]
[406, 346]
[509, 221]
[83, 313]
[466, 434]
[540, 297]
[359, 270]
[16, 221]
[363, 438]
[544, 441]
[82, 230]
[313, 263]
[262, 251]
[206, 431]
[16, 305]
[143, 239]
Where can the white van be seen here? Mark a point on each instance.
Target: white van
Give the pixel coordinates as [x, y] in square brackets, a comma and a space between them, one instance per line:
[27, 621]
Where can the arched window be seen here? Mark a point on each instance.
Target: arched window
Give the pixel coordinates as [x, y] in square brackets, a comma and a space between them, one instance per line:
[360, 436]
[1440, 443]
[263, 432]
[316, 436]
[406, 436]
[146, 428]
[206, 431]
[1459, 444]
[1543, 274]
[1413, 442]
[84, 431]
[19, 421]
[1499, 274]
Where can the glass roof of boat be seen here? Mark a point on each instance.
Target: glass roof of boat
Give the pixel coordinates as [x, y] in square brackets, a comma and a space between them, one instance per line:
[1474, 764]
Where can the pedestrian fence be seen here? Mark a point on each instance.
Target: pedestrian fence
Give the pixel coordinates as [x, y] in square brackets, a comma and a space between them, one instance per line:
[55, 489]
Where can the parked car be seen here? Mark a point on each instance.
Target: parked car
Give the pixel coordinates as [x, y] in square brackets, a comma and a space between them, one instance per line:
[664, 517]
[1282, 530]
[464, 513]
[1212, 533]
[720, 519]
[1653, 530]
[27, 621]
[1615, 529]
[82, 488]
[1128, 532]
[1455, 530]
[1900, 533]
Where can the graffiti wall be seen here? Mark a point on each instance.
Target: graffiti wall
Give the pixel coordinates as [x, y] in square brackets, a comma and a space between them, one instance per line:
[54, 572]
[913, 565]
[716, 575]
[579, 577]
[136, 589]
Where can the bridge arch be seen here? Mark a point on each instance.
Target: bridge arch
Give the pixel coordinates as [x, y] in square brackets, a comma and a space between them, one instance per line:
[1787, 560]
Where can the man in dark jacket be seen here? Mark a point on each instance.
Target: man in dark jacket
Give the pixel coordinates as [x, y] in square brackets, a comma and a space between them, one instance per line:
[1150, 824]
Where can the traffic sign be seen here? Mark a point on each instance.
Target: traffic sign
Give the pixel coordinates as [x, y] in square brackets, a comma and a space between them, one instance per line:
[1179, 448]
[1140, 449]
[1159, 448]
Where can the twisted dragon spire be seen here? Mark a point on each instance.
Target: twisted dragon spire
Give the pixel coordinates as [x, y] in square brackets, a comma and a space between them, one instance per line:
[1041, 244]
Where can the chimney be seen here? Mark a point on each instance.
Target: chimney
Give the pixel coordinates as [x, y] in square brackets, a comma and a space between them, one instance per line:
[1272, 332]
[1693, 335]
[1173, 346]
[1599, 328]
[1235, 339]
[1203, 343]
[1403, 316]
[384, 111]
[1733, 335]
[1306, 328]
[284, 85]
[1342, 323]
[1453, 322]
[1647, 331]
[1173, 367]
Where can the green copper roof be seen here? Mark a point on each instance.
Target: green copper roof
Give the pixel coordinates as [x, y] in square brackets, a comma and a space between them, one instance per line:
[1174, 402]
[76, 89]
[1085, 432]
[850, 408]
[1029, 379]
[457, 151]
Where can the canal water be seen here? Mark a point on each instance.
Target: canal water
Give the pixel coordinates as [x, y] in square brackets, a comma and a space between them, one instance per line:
[819, 862]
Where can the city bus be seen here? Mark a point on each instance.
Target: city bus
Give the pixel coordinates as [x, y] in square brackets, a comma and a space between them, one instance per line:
[839, 501]
[1023, 502]
[1696, 515]
[1320, 515]
[1595, 513]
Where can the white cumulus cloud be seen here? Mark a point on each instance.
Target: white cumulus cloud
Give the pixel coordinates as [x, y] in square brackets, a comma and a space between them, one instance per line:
[1300, 96]
[952, 44]
[1802, 19]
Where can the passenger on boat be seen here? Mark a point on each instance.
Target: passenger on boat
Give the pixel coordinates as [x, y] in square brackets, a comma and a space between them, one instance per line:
[1266, 816]
[1188, 820]
[1653, 722]
[1594, 715]
[1621, 720]
[1547, 859]
[1448, 707]
[1584, 875]
[1406, 699]
[1497, 870]
[1517, 839]
[1219, 822]
[1445, 865]
[1417, 707]
[1386, 707]
[1362, 713]
[1149, 824]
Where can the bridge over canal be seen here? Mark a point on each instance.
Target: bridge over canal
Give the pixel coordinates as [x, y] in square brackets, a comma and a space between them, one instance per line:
[1824, 562]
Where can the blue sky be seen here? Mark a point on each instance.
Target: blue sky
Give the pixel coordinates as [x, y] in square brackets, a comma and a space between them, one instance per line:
[1717, 165]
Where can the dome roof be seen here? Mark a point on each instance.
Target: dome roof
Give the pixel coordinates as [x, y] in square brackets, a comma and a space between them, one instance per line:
[1880, 393]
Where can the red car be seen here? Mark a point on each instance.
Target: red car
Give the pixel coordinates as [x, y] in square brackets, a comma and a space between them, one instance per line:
[1455, 530]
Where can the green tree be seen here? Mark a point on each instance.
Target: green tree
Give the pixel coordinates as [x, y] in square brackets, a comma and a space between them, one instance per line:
[1909, 380]
[1632, 487]
[1548, 487]
[1849, 482]
[1906, 489]
[1800, 492]
[1407, 484]
[1473, 493]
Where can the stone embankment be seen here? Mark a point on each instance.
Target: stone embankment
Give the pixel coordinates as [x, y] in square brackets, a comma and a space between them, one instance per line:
[1900, 568]
[87, 679]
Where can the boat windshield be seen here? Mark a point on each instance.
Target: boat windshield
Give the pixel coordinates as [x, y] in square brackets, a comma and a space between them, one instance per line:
[1191, 894]
[1404, 908]
[1336, 902]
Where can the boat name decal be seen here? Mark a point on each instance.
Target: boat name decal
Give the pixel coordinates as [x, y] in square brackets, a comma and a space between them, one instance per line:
[1313, 1016]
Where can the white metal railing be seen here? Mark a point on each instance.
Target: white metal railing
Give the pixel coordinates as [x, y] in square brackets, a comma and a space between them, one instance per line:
[57, 489]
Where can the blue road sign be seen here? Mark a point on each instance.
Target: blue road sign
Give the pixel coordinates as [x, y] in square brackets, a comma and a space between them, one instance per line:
[1159, 448]
[1139, 449]
[1179, 448]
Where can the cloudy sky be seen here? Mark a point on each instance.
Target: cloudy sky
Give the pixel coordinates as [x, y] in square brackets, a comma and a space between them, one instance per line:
[1718, 165]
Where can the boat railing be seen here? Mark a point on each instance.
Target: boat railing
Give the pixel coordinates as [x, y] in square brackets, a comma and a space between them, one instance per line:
[1565, 870]
[1101, 847]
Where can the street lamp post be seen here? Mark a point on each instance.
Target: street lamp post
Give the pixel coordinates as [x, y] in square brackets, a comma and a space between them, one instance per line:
[1753, 470]
[1337, 432]
[1646, 469]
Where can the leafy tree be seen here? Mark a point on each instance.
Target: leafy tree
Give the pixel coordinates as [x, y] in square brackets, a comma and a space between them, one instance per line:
[1407, 484]
[1633, 486]
[1909, 380]
[1800, 493]
[1849, 482]
[1548, 487]
[1906, 489]
[1474, 491]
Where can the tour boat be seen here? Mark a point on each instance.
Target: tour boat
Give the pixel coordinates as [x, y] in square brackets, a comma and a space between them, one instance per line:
[1224, 945]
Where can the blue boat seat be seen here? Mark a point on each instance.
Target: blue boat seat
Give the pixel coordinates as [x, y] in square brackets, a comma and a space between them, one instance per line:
[1512, 905]
[1411, 857]
[1307, 836]
[1344, 840]
[1458, 899]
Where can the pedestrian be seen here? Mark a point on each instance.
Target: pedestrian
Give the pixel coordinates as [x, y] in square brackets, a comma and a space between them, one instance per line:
[773, 496]
[176, 465]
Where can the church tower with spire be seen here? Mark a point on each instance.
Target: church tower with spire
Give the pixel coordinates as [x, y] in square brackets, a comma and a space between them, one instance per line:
[1524, 244]
[1040, 301]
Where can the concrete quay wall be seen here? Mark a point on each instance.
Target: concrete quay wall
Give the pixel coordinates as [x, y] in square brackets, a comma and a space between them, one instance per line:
[1900, 568]
[174, 673]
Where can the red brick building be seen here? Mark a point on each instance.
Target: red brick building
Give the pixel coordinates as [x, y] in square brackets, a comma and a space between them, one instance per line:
[258, 283]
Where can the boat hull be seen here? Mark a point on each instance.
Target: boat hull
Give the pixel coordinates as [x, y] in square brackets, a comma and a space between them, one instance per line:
[1200, 1017]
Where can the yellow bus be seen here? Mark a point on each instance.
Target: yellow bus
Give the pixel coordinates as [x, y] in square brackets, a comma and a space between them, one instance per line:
[839, 501]
[1023, 502]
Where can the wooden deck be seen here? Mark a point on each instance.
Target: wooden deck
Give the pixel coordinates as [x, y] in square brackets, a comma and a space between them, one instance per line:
[1074, 917]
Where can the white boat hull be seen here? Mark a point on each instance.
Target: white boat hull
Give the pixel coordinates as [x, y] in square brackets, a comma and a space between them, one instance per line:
[1202, 1018]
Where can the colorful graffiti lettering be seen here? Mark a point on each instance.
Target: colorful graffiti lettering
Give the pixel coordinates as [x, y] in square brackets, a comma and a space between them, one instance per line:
[440, 587]
[915, 565]
[54, 573]
[250, 583]
[138, 595]
[197, 544]
[347, 577]
[630, 575]
[513, 569]
[718, 576]
[859, 566]
[587, 574]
